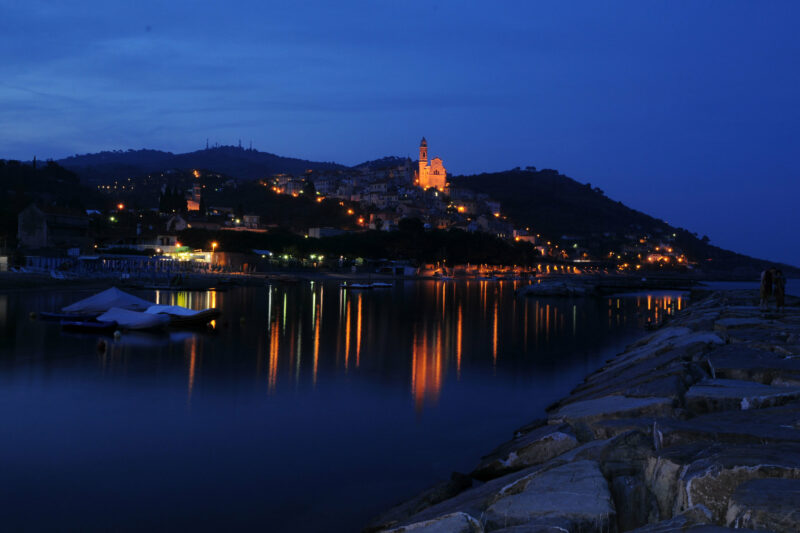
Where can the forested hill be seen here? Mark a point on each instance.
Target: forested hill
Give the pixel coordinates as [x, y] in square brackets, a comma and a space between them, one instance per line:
[231, 160]
[555, 205]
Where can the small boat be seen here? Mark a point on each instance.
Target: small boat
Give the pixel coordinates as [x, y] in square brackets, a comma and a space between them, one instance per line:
[362, 286]
[107, 299]
[72, 317]
[382, 285]
[183, 317]
[89, 326]
[134, 319]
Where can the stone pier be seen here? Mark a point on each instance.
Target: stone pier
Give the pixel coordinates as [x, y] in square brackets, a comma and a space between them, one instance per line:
[695, 427]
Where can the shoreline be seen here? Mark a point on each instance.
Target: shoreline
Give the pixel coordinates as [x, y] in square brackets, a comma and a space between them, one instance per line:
[564, 284]
[695, 426]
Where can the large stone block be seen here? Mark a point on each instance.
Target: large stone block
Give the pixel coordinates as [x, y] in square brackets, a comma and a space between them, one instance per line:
[532, 448]
[576, 492]
[766, 504]
[730, 394]
[451, 523]
[708, 474]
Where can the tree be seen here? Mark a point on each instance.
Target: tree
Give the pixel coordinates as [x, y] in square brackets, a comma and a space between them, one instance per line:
[412, 226]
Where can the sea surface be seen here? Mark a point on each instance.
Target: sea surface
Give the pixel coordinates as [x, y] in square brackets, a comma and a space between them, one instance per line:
[307, 408]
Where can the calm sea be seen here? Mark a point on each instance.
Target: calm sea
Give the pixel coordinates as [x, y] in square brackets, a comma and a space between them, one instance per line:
[307, 408]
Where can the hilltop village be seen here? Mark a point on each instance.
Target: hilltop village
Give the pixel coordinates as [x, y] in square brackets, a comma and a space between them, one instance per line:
[409, 214]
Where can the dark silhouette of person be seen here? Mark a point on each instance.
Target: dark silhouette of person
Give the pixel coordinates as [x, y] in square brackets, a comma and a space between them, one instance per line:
[766, 287]
[780, 289]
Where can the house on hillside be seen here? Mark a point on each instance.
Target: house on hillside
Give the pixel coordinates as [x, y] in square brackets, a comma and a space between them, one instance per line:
[52, 227]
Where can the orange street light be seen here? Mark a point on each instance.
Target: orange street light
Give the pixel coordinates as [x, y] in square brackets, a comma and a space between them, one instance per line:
[214, 246]
[120, 206]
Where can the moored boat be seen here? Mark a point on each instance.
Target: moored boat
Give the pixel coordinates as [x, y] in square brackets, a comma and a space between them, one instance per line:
[89, 326]
[73, 317]
[134, 320]
[108, 299]
[183, 317]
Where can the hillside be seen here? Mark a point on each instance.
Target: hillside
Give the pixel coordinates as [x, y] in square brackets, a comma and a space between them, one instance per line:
[231, 160]
[556, 206]
[46, 183]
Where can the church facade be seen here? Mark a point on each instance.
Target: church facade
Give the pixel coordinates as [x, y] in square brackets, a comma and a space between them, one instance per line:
[431, 174]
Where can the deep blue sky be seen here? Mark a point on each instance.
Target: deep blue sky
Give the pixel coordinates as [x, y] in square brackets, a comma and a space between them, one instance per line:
[687, 110]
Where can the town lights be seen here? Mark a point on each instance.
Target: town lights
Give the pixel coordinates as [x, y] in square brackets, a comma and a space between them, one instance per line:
[120, 207]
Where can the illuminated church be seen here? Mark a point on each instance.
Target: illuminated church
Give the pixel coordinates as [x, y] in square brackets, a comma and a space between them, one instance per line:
[433, 174]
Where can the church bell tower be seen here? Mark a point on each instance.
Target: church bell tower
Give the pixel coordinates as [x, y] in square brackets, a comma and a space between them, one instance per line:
[423, 159]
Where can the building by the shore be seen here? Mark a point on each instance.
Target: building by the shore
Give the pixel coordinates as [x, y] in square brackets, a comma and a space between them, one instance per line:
[52, 227]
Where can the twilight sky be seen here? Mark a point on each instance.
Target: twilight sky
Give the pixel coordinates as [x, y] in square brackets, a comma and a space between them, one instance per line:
[687, 110]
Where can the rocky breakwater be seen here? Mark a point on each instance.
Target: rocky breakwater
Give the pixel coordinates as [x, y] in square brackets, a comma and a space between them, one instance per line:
[695, 427]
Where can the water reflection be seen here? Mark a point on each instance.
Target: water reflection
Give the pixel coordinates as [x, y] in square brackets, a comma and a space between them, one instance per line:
[372, 330]
[240, 411]
[423, 333]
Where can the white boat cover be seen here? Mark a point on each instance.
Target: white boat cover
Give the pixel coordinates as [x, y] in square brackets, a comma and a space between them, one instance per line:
[134, 319]
[175, 310]
[103, 301]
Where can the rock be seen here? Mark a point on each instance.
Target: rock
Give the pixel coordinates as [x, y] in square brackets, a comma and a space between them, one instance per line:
[708, 474]
[534, 447]
[473, 501]
[769, 425]
[661, 335]
[635, 376]
[727, 324]
[634, 503]
[575, 492]
[582, 415]
[457, 484]
[631, 449]
[695, 519]
[451, 523]
[540, 525]
[727, 394]
[739, 361]
[771, 504]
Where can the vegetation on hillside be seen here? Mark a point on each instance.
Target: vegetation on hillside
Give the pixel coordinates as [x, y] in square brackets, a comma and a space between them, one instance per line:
[46, 183]
[231, 160]
[554, 206]
[411, 242]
